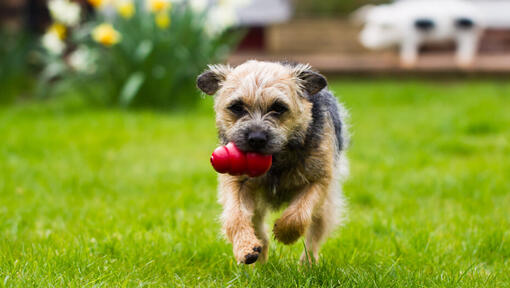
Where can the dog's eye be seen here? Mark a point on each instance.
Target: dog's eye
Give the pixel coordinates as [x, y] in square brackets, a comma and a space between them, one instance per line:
[278, 108]
[237, 108]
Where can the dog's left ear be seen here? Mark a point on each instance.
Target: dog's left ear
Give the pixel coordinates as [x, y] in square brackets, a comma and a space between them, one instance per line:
[312, 82]
[210, 81]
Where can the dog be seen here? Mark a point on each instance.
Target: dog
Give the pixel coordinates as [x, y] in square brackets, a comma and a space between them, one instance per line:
[285, 110]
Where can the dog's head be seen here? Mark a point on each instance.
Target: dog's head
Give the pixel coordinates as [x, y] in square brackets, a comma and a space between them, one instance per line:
[262, 106]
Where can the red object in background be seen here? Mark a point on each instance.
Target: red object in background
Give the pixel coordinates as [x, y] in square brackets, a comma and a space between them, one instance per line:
[254, 40]
[229, 159]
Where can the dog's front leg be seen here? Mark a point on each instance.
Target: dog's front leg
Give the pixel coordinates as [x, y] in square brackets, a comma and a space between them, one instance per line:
[238, 202]
[298, 216]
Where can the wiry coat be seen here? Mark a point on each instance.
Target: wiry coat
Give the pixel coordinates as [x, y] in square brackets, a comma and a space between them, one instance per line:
[307, 143]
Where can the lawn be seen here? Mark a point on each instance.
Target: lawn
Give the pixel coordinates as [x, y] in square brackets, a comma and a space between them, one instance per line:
[113, 198]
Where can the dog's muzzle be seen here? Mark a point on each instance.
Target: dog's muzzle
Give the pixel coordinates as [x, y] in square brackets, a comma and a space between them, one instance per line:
[257, 140]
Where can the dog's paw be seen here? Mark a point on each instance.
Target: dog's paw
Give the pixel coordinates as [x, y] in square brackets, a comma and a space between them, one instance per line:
[248, 254]
[288, 231]
[252, 257]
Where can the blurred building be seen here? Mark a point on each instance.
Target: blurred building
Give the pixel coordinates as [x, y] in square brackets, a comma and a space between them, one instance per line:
[295, 30]
[497, 34]
[258, 16]
[274, 28]
[17, 14]
[26, 14]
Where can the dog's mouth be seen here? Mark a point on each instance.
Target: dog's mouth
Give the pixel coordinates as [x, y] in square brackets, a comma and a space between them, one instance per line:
[246, 148]
[257, 151]
[265, 143]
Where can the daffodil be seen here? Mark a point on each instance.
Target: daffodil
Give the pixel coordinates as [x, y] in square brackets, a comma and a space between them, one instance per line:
[83, 60]
[52, 43]
[162, 20]
[65, 11]
[126, 9]
[106, 34]
[53, 39]
[219, 19]
[198, 6]
[59, 30]
[96, 3]
[158, 6]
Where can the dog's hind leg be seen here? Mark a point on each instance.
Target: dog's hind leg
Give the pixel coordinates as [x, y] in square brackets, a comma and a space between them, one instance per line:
[325, 218]
[317, 232]
[298, 216]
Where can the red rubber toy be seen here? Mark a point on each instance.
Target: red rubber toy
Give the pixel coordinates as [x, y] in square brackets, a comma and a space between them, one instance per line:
[229, 159]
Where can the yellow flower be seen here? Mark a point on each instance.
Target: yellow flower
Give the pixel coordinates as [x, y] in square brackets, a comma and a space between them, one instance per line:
[95, 3]
[59, 30]
[162, 20]
[158, 6]
[106, 34]
[126, 9]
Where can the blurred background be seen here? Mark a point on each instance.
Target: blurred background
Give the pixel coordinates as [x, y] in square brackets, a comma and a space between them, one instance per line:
[105, 141]
[129, 47]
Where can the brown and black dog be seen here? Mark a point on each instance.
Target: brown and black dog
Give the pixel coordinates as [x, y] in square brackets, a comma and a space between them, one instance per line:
[287, 111]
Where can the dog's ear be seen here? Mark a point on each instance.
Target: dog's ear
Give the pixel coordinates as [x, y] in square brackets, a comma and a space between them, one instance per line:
[210, 81]
[311, 81]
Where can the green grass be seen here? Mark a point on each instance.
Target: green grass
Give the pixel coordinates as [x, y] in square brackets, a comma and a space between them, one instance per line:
[111, 198]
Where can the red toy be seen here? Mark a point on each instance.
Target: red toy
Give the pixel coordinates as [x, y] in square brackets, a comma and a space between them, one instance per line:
[229, 159]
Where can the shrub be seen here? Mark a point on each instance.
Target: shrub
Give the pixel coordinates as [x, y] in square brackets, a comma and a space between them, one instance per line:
[15, 73]
[140, 53]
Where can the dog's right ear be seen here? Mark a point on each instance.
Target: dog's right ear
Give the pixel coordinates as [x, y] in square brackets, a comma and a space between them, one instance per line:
[210, 81]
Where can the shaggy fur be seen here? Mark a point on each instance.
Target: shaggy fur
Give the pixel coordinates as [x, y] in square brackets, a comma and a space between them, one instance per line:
[306, 137]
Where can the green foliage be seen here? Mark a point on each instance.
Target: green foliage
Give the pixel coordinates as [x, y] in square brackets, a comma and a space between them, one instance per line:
[330, 8]
[158, 67]
[151, 65]
[15, 71]
[117, 198]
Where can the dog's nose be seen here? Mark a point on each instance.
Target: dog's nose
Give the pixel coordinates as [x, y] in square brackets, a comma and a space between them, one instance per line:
[257, 139]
